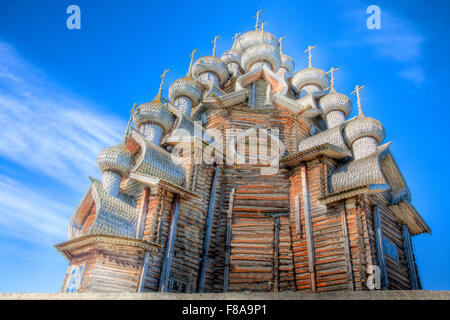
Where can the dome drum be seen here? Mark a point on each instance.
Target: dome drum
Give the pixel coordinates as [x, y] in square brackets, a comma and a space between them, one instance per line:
[364, 127]
[154, 113]
[310, 76]
[185, 87]
[116, 159]
[261, 52]
[213, 65]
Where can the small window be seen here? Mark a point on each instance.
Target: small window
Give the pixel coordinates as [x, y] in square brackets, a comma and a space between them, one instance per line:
[204, 118]
[74, 280]
[390, 249]
[176, 285]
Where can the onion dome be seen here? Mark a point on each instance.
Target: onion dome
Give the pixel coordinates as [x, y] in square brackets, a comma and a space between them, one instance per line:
[232, 55]
[116, 159]
[211, 64]
[185, 87]
[364, 127]
[254, 37]
[310, 75]
[287, 63]
[335, 101]
[154, 112]
[261, 52]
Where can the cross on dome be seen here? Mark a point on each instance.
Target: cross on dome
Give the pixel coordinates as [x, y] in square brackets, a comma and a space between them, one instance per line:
[192, 60]
[214, 48]
[357, 89]
[331, 72]
[257, 18]
[129, 122]
[262, 30]
[309, 55]
[235, 38]
[280, 42]
[158, 96]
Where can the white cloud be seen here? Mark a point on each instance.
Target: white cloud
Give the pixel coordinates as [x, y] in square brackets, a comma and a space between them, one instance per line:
[46, 130]
[415, 74]
[398, 40]
[28, 215]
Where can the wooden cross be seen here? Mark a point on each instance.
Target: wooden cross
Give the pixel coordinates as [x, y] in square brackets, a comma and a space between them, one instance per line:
[262, 30]
[309, 54]
[257, 19]
[235, 38]
[262, 27]
[192, 59]
[214, 48]
[163, 76]
[357, 89]
[331, 72]
[129, 122]
[280, 42]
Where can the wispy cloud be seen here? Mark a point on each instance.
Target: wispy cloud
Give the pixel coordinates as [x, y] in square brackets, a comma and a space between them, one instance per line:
[397, 40]
[53, 133]
[46, 129]
[29, 215]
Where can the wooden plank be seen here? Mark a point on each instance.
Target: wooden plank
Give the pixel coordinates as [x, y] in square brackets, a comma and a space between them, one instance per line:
[165, 272]
[143, 273]
[410, 258]
[308, 227]
[380, 250]
[276, 254]
[228, 241]
[143, 214]
[207, 239]
[298, 222]
[348, 258]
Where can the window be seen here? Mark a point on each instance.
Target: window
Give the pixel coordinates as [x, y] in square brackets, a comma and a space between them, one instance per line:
[74, 280]
[176, 285]
[390, 249]
[203, 118]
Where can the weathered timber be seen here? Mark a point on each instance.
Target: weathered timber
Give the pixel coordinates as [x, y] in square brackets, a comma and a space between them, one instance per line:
[165, 272]
[228, 241]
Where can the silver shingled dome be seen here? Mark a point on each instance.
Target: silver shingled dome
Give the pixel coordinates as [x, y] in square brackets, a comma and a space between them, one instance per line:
[154, 112]
[364, 127]
[261, 52]
[210, 64]
[232, 55]
[254, 37]
[116, 159]
[335, 101]
[185, 87]
[287, 63]
[310, 76]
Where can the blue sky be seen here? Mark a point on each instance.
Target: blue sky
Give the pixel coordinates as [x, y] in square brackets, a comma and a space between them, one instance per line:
[66, 94]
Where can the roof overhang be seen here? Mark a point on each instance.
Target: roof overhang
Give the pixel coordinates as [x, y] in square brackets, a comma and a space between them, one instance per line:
[325, 149]
[407, 214]
[67, 248]
[153, 181]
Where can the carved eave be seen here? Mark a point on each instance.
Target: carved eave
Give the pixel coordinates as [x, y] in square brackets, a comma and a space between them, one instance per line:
[325, 149]
[67, 248]
[408, 215]
[277, 83]
[370, 189]
[291, 105]
[156, 161]
[153, 181]
[233, 98]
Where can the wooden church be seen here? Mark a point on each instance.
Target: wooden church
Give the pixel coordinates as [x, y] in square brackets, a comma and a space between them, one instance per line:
[249, 177]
